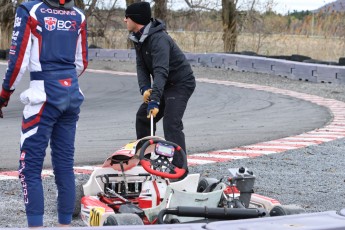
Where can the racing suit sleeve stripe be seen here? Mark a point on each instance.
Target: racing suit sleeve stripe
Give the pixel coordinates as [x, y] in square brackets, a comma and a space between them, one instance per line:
[37, 46]
[84, 45]
[19, 52]
[82, 51]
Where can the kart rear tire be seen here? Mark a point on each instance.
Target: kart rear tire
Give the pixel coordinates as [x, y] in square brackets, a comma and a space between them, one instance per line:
[79, 193]
[123, 219]
[284, 210]
[206, 184]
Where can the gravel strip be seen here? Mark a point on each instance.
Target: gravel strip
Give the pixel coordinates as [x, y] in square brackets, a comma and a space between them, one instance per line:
[312, 177]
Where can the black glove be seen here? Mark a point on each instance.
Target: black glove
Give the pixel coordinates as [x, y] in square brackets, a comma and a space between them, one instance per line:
[4, 98]
[152, 108]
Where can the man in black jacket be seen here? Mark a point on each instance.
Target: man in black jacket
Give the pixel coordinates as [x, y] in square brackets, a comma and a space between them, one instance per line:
[165, 77]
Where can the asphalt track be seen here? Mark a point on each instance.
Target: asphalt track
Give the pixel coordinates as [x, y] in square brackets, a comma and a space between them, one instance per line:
[218, 116]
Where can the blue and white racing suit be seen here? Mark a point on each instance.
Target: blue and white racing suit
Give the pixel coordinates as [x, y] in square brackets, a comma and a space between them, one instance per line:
[52, 45]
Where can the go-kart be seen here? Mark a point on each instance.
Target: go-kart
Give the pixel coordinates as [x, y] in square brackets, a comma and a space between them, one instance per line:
[138, 184]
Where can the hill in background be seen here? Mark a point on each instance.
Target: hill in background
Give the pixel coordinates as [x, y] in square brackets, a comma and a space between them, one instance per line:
[336, 6]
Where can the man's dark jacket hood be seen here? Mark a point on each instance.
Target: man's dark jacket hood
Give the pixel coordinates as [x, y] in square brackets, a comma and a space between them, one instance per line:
[154, 26]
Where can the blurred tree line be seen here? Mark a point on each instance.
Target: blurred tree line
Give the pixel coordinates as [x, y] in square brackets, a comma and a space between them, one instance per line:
[226, 16]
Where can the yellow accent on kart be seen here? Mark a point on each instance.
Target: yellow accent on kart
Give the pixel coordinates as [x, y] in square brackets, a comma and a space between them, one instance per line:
[130, 146]
[96, 216]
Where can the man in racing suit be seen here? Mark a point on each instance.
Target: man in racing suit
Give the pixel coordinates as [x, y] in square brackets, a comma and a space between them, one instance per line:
[50, 39]
[173, 82]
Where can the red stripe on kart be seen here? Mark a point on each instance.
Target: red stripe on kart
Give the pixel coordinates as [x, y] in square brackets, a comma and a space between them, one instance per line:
[271, 200]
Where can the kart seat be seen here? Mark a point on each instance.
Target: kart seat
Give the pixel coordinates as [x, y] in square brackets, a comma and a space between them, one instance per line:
[128, 156]
[117, 159]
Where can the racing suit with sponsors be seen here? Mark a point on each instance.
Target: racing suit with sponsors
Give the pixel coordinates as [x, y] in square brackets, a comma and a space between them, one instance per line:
[52, 45]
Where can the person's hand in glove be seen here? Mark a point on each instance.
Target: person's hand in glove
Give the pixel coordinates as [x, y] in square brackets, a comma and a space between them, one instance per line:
[152, 108]
[146, 95]
[4, 98]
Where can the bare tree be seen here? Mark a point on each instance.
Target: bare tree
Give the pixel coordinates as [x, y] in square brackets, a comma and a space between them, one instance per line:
[229, 18]
[160, 10]
[209, 5]
[7, 14]
[261, 22]
[196, 23]
[80, 4]
[103, 15]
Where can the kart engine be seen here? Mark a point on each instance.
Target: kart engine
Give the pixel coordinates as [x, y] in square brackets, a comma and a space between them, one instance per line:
[244, 180]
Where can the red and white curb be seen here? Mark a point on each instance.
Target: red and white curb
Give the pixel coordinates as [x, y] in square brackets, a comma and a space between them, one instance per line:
[334, 130]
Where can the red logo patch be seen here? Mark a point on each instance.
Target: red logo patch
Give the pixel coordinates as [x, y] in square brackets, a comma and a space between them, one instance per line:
[50, 23]
[66, 82]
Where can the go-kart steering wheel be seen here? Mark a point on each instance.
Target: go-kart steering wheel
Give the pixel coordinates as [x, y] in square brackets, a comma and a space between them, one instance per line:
[161, 164]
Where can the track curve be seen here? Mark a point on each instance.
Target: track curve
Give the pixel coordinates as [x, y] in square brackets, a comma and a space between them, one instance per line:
[220, 115]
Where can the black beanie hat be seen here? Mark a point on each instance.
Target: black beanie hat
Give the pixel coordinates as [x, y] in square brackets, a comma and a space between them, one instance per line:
[139, 12]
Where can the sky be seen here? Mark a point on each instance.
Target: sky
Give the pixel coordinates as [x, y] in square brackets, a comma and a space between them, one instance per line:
[280, 6]
[283, 6]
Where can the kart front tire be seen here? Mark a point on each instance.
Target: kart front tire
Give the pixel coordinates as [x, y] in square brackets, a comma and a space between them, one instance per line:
[284, 210]
[123, 219]
[110, 221]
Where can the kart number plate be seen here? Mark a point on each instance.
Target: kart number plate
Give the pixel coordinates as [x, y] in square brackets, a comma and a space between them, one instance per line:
[96, 216]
